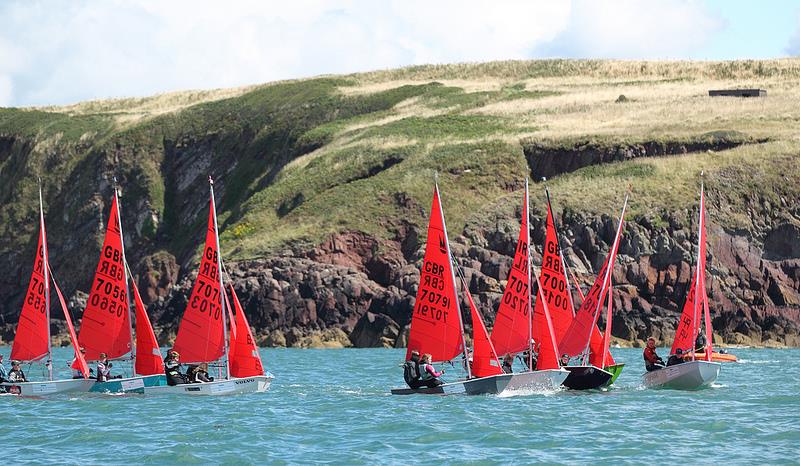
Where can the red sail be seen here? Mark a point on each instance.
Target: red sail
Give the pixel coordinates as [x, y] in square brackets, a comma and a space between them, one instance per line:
[579, 333]
[555, 291]
[512, 323]
[148, 353]
[105, 327]
[244, 357]
[201, 336]
[685, 334]
[30, 341]
[80, 361]
[435, 322]
[484, 358]
[547, 346]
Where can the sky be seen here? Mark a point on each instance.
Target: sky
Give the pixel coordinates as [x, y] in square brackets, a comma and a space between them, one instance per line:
[60, 52]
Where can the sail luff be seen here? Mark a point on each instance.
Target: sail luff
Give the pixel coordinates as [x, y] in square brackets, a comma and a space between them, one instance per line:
[73, 337]
[549, 321]
[221, 284]
[453, 278]
[149, 362]
[529, 297]
[125, 272]
[46, 261]
[607, 331]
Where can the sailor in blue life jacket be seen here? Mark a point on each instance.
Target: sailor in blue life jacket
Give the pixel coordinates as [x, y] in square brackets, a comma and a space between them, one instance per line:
[411, 373]
[172, 369]
[428, 375]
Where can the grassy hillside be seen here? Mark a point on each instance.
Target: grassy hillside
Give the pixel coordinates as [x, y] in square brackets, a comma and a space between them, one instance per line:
[299, 160]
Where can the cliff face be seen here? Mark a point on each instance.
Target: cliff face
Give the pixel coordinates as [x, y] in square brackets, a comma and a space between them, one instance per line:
[323, 189]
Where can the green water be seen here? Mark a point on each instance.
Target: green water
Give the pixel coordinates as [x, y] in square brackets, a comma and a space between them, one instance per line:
[333, 406]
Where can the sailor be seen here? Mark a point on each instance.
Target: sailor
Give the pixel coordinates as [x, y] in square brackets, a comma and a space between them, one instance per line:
[651, 360]
[411, 372]
[508, 361]
[16, 374]
[676, 358]
[700, 342]
[104, 369]
[172, 369]
[429, 376]
[3, 373]
[564, 360]
[199, 374]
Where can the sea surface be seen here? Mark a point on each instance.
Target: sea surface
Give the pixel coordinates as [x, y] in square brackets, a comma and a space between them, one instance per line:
[333, 406]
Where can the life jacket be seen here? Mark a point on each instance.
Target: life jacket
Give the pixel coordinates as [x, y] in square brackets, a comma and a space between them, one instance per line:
[424, 374]
[102, 372]
[411, 371]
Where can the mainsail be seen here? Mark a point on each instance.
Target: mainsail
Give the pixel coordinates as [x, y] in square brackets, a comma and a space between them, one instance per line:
[32, 341]
[554, 293]
[106, 326]
[201, 335]
[512, 324]
[148, 354]
[244, 357]
[579, 334]
[436, 326]
[689, 323]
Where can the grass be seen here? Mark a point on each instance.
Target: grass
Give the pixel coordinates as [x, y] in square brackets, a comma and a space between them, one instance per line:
[299, 160]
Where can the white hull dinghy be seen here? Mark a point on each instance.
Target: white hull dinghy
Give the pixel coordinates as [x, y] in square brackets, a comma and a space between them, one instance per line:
[537, 381]
[233, 386]
[690, 375]
[52, 387]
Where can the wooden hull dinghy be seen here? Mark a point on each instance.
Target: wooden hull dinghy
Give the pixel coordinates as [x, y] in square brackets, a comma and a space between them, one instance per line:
[691, 375]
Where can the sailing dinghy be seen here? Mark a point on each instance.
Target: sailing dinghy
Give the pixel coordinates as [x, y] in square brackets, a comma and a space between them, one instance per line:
[583, 339]
[696, 373]
[518, 324]
[437, 326]
[106, 326]
[202, 336]
[32, 338]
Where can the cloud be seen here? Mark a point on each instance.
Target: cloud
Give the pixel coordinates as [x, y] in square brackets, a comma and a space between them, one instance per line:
[635, 29]
[60, 52]
[65, 52]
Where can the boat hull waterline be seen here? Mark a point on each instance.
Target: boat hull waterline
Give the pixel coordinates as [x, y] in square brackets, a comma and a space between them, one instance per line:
[232, 386]
[53, 387]
[536, 381]
[692, 375]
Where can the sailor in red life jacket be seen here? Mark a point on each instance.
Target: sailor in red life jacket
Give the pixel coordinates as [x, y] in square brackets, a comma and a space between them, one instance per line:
[651, 360]
[428, 375]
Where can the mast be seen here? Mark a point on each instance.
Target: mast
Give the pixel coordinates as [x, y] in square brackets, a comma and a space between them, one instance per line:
[526, 217]
[453, 277]
[125, 271]
[700, 226]
[222, 285]
[46, 267]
